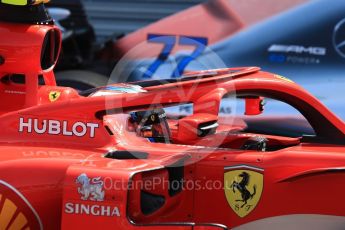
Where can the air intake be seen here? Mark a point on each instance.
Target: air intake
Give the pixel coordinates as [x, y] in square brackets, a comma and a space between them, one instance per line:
[50, 49]
[126, 155]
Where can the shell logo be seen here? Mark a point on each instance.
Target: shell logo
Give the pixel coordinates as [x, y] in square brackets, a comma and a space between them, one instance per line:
[16, 213]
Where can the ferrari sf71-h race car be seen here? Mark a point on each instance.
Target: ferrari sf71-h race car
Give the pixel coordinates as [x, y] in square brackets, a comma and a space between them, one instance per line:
[116, 157]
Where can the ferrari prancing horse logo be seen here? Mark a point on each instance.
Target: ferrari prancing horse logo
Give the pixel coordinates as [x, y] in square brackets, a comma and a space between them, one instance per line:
[54, 95]
[243, 188]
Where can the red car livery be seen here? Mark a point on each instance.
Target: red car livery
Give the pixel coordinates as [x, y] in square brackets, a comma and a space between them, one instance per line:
[116, 157]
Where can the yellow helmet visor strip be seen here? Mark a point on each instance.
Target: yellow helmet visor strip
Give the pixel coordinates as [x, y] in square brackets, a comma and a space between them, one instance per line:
[24, 2]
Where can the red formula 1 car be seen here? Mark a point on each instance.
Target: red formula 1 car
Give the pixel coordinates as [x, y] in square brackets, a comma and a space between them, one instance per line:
[116, 158]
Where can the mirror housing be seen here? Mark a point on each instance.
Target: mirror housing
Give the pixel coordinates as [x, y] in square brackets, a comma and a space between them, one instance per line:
[254, 106]
[196, 126]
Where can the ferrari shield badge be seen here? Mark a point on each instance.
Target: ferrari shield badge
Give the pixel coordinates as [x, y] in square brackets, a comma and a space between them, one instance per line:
[54, 95]
[243, 188]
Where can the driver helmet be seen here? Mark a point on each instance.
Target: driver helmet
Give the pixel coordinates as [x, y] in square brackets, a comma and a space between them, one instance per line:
[151, 124]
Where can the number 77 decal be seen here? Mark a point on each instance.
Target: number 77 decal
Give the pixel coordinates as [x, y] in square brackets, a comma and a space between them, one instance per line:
[169, 42]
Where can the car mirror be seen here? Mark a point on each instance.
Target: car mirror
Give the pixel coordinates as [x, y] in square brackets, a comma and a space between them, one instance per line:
[254, 106]
[196, 126]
